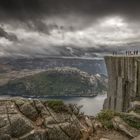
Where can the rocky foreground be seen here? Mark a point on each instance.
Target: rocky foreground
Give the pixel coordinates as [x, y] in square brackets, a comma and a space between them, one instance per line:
[27, 119]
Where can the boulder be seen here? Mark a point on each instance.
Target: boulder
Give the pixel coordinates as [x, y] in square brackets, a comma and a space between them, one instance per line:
[97, 125]
[48, 121]
[136, 138]
[41, 107]
[88, 122]
[136, 115]
[120, 125]
[135, 105]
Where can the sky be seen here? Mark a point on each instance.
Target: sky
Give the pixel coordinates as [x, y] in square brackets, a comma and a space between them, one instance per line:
[70, 28]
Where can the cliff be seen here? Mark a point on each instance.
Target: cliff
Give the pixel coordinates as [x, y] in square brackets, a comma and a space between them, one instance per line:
[124, 82]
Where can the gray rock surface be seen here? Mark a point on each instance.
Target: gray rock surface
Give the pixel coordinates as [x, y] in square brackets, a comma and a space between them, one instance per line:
[136, 138]
[104, 139]
[120, 125]
[24, 119]
[28, 119]
[124, 82]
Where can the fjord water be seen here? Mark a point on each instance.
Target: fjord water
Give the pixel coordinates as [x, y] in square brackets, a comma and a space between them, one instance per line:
[91, 105]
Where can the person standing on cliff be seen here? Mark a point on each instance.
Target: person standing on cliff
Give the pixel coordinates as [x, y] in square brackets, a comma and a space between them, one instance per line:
[134, 52]
[126, 52]
[137, 52]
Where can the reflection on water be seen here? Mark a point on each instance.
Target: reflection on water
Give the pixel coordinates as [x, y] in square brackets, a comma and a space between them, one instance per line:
[91, 105]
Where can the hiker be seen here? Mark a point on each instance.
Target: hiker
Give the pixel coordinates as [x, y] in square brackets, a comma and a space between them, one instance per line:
[137, 52]
[126, 52]
[134, 52]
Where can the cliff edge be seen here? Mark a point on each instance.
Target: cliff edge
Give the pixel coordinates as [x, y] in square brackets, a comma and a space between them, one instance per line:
[124, 82]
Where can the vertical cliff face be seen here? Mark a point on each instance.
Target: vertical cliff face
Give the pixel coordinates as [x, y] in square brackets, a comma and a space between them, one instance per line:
[124, 81]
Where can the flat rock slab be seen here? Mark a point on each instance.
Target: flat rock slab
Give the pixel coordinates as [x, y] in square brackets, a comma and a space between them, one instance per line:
[120, 125]
[25, 119]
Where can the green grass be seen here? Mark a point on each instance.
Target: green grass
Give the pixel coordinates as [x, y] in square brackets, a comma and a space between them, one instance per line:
[105, 117]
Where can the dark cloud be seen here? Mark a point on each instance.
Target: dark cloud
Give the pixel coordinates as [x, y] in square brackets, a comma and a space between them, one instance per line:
[38, 25]
[32, 12]
[23, 9]
[68, 27]
[9, 36]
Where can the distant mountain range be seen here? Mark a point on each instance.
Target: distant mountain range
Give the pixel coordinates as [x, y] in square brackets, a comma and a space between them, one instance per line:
[89, 65]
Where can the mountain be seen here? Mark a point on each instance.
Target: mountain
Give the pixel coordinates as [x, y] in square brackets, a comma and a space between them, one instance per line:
[56, 82]
[89, 65]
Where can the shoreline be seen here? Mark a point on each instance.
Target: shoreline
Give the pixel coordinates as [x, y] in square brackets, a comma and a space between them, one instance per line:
[49, 96]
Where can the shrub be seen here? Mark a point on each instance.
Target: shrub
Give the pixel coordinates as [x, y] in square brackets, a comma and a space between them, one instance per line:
[57, 105]
[105, 117]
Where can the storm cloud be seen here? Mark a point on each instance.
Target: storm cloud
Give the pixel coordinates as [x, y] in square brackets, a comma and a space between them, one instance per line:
[68, 27]
[26, 8]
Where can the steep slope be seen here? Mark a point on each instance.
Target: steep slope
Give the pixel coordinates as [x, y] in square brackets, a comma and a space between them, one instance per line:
[55, 82]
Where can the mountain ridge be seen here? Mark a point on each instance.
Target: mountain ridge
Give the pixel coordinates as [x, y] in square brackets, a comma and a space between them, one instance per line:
[56, 82]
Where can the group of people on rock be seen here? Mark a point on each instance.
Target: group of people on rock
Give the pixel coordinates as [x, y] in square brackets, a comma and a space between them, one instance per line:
[135, 52]
[115, 53]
